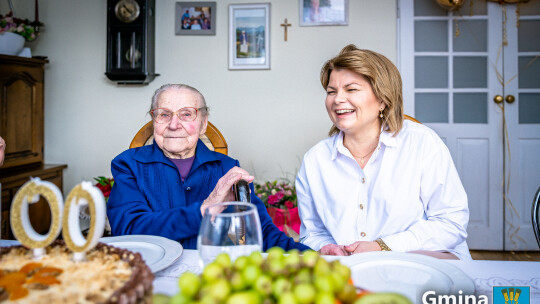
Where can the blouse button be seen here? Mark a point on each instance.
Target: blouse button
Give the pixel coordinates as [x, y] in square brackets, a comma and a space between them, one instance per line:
[363, 234]
[188, 188]
[361, 206]
[363, 180]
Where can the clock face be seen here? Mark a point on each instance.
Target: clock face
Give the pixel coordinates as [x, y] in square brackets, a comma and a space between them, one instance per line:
[127, 10]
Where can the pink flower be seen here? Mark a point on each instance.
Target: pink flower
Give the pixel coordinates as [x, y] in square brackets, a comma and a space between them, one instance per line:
[280, 195]
[289, 204]
[272, 199]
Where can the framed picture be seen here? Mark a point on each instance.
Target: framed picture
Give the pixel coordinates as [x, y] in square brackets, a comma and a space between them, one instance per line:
[324, 12]
[249, 36]
[195, 18]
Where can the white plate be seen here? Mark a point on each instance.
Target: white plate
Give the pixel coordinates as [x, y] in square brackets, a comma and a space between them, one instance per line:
[407, 273]
[158, 252]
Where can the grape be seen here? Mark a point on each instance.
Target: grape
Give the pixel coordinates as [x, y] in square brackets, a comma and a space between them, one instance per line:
[324, 283]
[309, 258]
[287, 298]
[212, 272]
[263, 285]
[189, 284]
[244, 297]
[304, 293]
[250, 274]
[241, 262]
[220, 289]
[325, 298]
[281, 278]
[281, 286]
[256, 258]
[237, 281]
[224, 260]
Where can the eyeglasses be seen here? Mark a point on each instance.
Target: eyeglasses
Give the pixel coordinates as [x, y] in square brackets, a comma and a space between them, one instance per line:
[162, 115]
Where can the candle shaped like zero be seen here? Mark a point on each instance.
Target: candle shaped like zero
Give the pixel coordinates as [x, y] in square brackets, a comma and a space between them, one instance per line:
[29, 193]
[84, 194]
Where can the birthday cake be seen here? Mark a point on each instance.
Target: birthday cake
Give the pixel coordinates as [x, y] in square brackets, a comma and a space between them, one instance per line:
[107, 275]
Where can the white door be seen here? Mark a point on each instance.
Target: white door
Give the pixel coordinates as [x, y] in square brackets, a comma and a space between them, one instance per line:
[522, 150]
[453, 64]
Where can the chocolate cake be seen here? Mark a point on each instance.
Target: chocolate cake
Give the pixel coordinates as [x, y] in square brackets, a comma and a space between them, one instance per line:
[108, 275]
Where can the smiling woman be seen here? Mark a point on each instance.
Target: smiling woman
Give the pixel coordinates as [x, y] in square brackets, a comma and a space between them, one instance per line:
[379, 183]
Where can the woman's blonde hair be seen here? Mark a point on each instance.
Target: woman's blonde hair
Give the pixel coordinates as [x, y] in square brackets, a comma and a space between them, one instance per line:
[381, 73]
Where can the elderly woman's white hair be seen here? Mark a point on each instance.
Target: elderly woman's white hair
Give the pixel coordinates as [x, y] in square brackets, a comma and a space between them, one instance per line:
[166, 87]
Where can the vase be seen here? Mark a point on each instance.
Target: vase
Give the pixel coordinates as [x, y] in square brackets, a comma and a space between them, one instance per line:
[285, 217]
[11, 43]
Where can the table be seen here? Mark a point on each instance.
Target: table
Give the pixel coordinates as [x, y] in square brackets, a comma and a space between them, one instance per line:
[485, 274]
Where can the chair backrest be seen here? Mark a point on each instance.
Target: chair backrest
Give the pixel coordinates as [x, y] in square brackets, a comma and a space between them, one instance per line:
[213, 139]
[536, 216]
[411, 118]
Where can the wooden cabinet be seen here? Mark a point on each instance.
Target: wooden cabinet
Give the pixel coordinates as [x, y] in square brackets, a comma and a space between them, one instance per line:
[21, 126]
[21, 109]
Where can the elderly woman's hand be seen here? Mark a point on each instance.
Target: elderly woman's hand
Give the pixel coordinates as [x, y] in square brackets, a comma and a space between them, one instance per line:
[362, 246]
[333, 249]
[223, 191]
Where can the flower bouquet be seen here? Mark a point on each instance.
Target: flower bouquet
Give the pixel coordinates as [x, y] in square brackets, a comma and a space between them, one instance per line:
[23, 27]
[280, 201]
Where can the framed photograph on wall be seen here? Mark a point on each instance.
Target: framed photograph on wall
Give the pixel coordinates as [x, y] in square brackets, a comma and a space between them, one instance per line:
[324, 12]
[195, 18]
[249, 36]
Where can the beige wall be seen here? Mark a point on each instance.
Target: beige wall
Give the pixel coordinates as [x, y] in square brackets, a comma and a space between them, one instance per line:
[270, 118]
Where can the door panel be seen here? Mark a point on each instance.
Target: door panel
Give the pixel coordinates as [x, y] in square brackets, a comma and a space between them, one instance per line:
[447, 85]
[522, 81]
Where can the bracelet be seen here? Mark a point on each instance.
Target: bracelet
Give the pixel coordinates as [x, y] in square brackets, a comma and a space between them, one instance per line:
[383, 245]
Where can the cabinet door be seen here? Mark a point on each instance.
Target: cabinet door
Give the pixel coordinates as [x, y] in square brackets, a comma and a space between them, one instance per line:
[21, 111]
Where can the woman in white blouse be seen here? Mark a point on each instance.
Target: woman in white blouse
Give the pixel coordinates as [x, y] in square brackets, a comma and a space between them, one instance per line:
[379, 182]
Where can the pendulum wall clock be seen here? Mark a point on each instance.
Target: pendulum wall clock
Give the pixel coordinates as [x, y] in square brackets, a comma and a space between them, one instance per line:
[130, 41]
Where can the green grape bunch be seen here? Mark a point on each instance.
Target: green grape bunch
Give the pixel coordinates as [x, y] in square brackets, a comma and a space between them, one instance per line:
[280, 278]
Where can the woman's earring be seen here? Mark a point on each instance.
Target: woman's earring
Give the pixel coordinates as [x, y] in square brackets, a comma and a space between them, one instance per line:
[381, 115]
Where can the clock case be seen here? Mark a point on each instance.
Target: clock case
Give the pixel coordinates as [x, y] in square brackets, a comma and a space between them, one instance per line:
[130, 46]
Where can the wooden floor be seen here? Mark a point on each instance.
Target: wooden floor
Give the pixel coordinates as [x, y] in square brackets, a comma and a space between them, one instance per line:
[506, 255]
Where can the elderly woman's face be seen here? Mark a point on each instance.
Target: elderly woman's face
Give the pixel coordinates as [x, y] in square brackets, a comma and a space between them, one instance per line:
[178, 139]
[351, 103]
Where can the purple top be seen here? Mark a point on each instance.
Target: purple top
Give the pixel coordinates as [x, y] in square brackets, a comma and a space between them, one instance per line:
[184, 165]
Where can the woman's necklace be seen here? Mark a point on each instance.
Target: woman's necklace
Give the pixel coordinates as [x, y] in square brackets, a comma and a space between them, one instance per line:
[363, 157]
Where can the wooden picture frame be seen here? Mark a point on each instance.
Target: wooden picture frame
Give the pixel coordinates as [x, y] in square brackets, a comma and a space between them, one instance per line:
[249, 36]
[323, 12]
[195, 18]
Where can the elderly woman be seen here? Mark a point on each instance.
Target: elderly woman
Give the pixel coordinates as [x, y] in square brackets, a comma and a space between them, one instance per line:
[379, 182]
[164, 188]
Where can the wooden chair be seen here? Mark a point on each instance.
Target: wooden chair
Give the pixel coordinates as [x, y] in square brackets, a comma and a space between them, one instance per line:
[411, 118]
[213, 139]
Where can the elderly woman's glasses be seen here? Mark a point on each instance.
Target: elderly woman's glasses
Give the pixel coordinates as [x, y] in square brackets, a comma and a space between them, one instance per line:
[161, 115]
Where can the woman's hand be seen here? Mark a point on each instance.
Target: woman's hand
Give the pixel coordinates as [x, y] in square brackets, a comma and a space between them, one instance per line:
[362, 246]
[333, 249]
[223, 190]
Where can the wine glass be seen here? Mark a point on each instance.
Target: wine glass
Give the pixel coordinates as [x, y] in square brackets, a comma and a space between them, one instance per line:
[231, 227]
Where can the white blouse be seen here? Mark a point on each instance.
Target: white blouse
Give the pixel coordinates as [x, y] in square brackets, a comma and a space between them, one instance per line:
[409, 194]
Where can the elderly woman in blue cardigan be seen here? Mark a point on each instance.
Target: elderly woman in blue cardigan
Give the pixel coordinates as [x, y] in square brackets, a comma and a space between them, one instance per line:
[163, 189]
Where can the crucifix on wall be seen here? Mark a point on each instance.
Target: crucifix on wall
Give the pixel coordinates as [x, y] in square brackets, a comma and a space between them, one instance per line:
[285, 26]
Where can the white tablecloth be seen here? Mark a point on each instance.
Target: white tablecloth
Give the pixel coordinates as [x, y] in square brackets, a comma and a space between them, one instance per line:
[485, 274]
